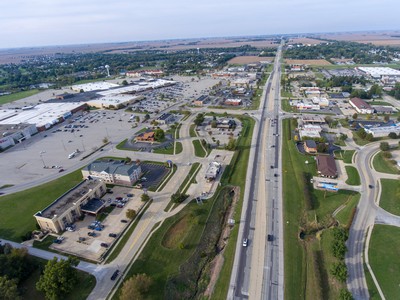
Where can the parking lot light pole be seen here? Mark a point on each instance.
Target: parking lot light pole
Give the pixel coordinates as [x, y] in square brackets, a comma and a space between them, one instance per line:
[41, 156]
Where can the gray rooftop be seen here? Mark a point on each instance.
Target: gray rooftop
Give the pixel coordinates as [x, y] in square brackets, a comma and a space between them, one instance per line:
[111, 167]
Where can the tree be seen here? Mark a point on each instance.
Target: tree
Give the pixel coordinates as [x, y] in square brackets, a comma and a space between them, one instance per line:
[213, 124]
[159, 135]
[339, 270]
[361, 133]
[146, 117]
[130, 214]
[128, 160]
[392, 135]
[9, 289]
[145, 197]
[136, 287]
[387, 154]
[355, 116]
[178, 197]
[124, 82]
[386, 118]
[384, 146]
[137, 119]
[199, 119]
[105, 140]
[369, 137]
[345, 295]
[58, 278]
[322, 148]
[343, 137]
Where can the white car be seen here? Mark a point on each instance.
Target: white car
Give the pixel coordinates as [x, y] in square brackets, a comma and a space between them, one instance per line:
[245, 242]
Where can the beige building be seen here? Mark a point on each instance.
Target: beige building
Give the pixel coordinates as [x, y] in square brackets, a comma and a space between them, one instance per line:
[115, 172]
[83, 198]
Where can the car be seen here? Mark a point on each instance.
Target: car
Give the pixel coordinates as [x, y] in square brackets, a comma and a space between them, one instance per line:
[129, 195]
[115, 275]
[124, 221]
[114, 235]
[82, 239]
[57, 241]
[272, 166]
[71, 229]
[370, 186]
[105, 245]
[245, 242]
[61, 170]
[275, 175]
[118, 198]
[91, 233]
[270, 237]
[60, 238]
[45, 135]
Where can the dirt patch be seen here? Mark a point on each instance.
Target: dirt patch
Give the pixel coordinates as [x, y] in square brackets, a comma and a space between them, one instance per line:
[248, 60]
[218, 261]
[313, 62]
[176, 233]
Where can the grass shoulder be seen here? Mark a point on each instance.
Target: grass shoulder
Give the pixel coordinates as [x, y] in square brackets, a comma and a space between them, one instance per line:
[353, 178]
[389, 200]
[17, 96]
[384, 165]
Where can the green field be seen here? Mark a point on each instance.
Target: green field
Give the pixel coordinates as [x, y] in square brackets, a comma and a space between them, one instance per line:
[353, 176]
[372, 290]
[344, 215]
[169, 149]
[176, 241]
[198, 149]
[383, 257]
[307, 262]
[346, 155]
[390, 196]
[383, 165]
[17, 96]
[17, 210]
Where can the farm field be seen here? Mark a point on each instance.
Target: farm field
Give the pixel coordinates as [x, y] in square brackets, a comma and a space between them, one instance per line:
[239, 60]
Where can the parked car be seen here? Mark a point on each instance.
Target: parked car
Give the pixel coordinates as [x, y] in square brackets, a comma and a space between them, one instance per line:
[61, 170]
[105, 245]
[114, 235]
[270, 237]
[91, 233]
[82, 239]
[245, 242]
[124, 221]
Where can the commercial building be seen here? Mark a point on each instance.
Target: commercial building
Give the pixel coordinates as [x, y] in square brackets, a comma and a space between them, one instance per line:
[165, 118]
[114, 101]
[310, 146]
[241, 82]
[379, 72]
[233, 102]
[387, 110]
[145, 137]
[212, 171]
[115, 172]
[361, 106]
[67, 209]
[326, 166]
[200, 101]
[94, 86]
[322, 102]
[226, 123]
[11, 134]
[383, 131]
[155, 73]
[305, 104]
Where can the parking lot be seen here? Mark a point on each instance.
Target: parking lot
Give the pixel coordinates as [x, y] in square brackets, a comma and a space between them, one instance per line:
[92, 247]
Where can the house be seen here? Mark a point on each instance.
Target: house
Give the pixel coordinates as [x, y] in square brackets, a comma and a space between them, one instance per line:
[66, 209]
[361, 106]
[146, 137]
[326, 166]
[114, 172]
[310, 146]
[233, 102]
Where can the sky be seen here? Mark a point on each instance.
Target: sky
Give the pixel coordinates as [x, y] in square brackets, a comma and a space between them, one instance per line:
[26, 23]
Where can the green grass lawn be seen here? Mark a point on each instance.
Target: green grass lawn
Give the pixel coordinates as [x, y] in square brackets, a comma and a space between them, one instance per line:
[178, 148]
[165, 261]
[383, 257]
[380, 103]
[80, 292]
[167, 150]
[346, 155]
[287, 107]
[198, 149]
[390, 196]
[302, 258]
[353, 176]
[17, 96]
[17, 210]
[383, 165]
[372, 290]
[286, 94]
[344, 215]
[192, 130]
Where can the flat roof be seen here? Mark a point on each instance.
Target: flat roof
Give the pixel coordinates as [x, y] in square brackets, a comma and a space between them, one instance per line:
[93, 206]
[94, 86]
[138, 87]
[12, 128]
[113, 99]
[67, 200]
[42, 114]
[380, 71]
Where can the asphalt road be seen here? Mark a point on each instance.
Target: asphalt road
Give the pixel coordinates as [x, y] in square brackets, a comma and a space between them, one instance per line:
[258, 268]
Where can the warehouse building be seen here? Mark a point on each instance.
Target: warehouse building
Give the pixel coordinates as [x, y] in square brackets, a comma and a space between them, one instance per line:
[11, 134]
